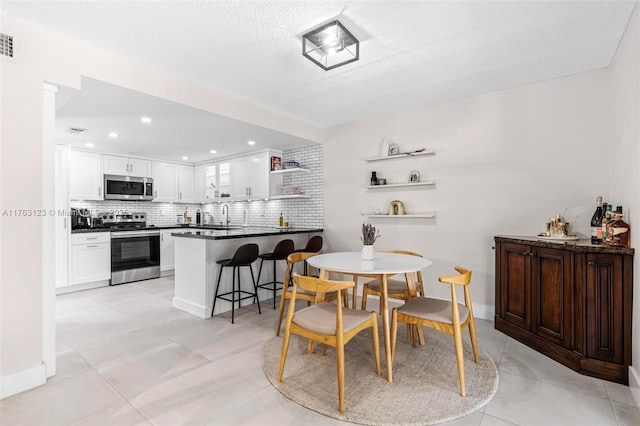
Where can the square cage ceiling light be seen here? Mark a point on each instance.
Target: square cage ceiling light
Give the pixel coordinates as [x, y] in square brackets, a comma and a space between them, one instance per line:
[330, 46]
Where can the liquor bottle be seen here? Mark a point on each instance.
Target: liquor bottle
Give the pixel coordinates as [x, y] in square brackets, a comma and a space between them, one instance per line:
[374, 179]
[281, 220]
[605, 220]
[620, 232]
[596, 221]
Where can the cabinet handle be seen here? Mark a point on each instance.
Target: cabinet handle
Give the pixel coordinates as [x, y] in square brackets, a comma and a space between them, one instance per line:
[94, 246]
[92, 238]
[591, 263]
[181, 195]
[131, 168]
[99, 192]
[161, 237]
[156, 191]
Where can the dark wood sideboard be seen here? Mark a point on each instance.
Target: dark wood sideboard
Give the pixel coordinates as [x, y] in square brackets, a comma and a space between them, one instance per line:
[571, 301]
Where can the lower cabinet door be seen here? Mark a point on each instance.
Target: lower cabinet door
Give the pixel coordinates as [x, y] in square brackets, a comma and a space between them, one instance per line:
[551, 295]
[605, 325]
[515, 281]
[90, 262]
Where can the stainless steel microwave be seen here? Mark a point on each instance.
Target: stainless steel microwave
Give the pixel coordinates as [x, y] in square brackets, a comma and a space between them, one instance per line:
[128, 188]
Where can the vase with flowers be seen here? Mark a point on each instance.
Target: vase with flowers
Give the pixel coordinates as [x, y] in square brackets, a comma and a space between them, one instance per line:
[369, 236]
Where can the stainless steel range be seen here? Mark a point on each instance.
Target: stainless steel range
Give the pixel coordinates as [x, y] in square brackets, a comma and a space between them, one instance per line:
[135, 251]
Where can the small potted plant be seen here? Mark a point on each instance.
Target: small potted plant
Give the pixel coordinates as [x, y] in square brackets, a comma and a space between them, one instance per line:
[369, 236]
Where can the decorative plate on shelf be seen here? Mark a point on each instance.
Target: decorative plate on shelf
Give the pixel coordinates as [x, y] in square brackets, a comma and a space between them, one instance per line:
[567, 238]
[394, 149]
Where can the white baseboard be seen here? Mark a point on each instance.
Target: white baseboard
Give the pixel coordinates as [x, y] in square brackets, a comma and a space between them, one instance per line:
[192, 308]
[22, 381]
[634, 384]
[80, 287]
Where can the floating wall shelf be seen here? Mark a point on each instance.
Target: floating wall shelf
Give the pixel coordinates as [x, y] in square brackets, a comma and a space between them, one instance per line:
[294, 169]
[399, 185]
[417, 215]
[280, 197]
[402, 155]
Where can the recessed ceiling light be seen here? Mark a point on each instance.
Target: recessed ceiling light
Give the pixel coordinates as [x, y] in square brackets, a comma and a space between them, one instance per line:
[145, 120]
[113, 135]
[213, 151]
[89, 145]
[251, 142]
[185, 158]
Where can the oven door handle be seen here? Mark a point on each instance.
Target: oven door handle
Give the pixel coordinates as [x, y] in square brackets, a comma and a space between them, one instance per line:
[131, 234]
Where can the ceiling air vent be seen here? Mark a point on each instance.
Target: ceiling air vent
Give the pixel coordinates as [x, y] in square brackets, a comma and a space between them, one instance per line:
[74, 130]
[8, 47]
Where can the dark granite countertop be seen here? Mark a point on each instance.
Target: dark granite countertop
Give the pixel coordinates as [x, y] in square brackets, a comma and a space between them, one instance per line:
[582, 245]
[165, 227]
[244, 232]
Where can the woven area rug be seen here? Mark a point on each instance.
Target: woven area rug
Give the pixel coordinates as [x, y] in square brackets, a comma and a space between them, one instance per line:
[425, 388]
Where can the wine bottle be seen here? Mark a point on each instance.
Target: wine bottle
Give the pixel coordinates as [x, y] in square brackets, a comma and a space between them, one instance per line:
[374, 179]
[605, 220]
[604, 213]
[596, 221]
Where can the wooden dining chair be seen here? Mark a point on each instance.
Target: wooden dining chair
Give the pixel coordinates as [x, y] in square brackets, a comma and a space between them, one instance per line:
[327, 323]
[446, 316]
[293, 259]
[396, 288]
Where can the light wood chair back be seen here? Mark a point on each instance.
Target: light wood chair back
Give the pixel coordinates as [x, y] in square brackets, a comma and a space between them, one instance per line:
[314, 323]
[397, 289]
[428, 312]
[309, 297]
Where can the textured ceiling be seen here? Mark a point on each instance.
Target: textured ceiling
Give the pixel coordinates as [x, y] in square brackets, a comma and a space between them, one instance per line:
[411, 53]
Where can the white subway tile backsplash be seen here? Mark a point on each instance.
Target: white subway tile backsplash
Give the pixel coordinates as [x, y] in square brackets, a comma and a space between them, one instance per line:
[299, 212]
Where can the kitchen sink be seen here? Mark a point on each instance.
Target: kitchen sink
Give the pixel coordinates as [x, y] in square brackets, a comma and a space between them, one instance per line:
[219, 227]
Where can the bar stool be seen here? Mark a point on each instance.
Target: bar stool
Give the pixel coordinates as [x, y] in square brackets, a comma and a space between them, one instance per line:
[283, 249]
[245, 255]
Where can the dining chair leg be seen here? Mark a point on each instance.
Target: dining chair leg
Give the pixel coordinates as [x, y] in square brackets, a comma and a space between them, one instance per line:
[233, 293]
[324, 349]
[365, 292]
[340, 368]
[394, 331]
[310, 347]
[376, 343]
[283, 353]
[457, 336]
[258, 282]
[281, 312]
[474, 342]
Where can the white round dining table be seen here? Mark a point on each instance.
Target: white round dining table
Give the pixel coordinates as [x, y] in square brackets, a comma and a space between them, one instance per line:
[383, 266]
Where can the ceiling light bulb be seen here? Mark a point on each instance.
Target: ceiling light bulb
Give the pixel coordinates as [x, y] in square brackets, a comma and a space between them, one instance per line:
[113, 135]
[145, 120]
[251, 142]
[89, 145]
[213, 151]
[185, 158]
[331, 50]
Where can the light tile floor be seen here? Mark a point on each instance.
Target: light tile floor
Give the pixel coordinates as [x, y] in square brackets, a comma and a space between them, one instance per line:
[126, 357]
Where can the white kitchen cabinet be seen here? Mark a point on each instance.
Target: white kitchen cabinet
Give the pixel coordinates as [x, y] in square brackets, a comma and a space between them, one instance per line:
[85, 176]
[173, 183]
[62, 221]
[165, 181]
[252, 179]
[225, 181]
[167, 250]
[90, 257]
[200, 183]
[126, 166]
[186, 191]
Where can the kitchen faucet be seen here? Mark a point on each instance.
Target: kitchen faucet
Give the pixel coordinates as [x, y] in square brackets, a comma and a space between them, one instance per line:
[225, 207]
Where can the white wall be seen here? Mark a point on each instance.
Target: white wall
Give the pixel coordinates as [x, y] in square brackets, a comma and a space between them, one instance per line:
[505, 162]
[625, 153]
[48, 57]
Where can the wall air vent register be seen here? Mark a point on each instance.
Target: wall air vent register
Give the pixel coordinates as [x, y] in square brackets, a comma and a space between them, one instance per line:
[8, 47]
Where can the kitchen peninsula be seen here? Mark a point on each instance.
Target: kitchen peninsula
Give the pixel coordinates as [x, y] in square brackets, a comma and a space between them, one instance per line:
[196, 271]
